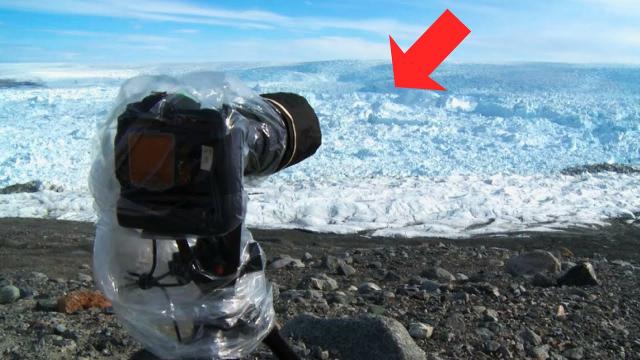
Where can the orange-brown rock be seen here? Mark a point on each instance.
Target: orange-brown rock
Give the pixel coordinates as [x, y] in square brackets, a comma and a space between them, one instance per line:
[82, 300]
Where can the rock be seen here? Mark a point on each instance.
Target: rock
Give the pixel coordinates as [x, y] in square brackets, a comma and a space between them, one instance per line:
[368, 287]
[345, 269]
[456, 323]
[392, 276]
[561, 312]
[315, 283]
[337, 297]
[28, 187]
[307, 256]
[482, 288]
[542, 280]
[388, 295]
[59, 329]
[84, 277]
[392, 341]
[322, 354]
[82, 300]
[438, 274]
[565, 252]
[461, 296]
[418, 330]
[622, 263]
[484, 333]
[376, 309]
[490, 316]
[530, 263]
[491, 346]
[540, 352]
[9, 294]
[26, 293]
[38, 276]
[480, 276]
[530, 337]
[47, 305]
[285, 261]
[407, 290]
[576, 353]
[66, 345]
[518, 289]
[4, 282]
[505, 353]
[292, 294]
[461, 277]
[318, 282]
[329, 283]
[582, 274]
[331, 263]
[566, 265]
[430, 286]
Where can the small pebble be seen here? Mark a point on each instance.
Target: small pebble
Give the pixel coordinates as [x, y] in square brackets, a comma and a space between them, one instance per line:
[84, 277]
[419, 330]
[47, 305]
[491, 346]
[368, 287]
[59, 329]
[26, 293]
[576, 353]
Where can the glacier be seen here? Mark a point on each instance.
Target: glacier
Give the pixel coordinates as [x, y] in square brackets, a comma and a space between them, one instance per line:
[487, 156]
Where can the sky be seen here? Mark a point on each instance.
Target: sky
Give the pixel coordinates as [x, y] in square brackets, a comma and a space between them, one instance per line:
[149, 31]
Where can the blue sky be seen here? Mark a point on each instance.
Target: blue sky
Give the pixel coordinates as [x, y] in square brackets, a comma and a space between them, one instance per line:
[147, 31]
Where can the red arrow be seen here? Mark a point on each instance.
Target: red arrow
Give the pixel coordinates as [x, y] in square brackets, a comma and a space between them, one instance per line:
[411, 69]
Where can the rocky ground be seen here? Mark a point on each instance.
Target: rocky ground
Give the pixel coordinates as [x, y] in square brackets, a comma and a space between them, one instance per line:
[491, 297]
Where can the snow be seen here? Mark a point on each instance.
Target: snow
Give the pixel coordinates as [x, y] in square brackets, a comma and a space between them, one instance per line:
[484, 157]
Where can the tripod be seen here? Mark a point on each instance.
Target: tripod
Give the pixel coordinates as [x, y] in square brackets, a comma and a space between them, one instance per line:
[213, 262]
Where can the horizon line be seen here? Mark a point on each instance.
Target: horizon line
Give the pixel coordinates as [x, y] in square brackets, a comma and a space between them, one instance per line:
[280, 62]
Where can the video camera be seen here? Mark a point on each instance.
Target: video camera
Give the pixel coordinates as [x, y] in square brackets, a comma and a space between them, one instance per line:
[180, 168]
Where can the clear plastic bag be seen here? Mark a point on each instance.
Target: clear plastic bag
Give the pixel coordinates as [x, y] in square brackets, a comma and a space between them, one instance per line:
[229, 316]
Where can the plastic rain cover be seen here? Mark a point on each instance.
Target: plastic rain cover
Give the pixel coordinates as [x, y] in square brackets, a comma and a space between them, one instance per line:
[190, 320]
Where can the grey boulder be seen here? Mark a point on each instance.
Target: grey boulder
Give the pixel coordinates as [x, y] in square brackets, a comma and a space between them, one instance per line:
[438, 274]
[361, 338]
[530, 263]
[582, 274]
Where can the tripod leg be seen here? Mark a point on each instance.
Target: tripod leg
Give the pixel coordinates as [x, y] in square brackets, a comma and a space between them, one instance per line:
[279, 345]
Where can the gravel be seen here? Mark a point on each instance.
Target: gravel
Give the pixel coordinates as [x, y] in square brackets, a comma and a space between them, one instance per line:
[485, 313]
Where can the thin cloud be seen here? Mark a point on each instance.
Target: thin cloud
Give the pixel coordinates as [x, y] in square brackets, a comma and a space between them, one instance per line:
[620, 7]
[186, 31]
[78, 33]
[383, 27]
[144, 10]
[182, 12]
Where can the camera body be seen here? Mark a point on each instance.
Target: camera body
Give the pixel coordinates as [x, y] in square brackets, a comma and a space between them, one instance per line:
[179, 167]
